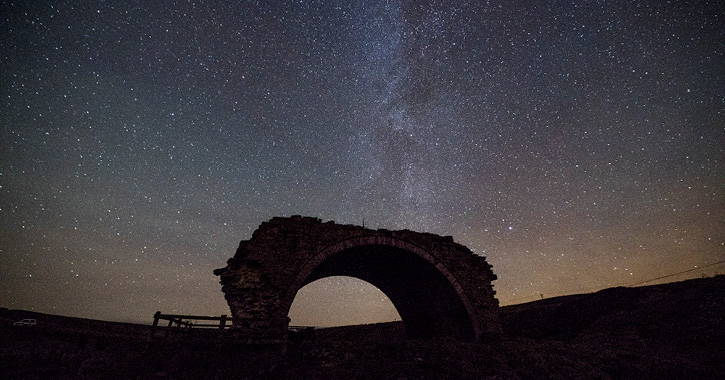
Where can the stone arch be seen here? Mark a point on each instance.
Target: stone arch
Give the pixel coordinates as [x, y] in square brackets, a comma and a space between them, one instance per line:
[306, 275]
[438, 286]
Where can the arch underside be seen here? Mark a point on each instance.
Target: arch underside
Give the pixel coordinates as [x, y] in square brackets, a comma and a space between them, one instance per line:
[426, 300]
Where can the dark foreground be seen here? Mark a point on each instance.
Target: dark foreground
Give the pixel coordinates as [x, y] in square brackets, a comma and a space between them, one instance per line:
[671, 331]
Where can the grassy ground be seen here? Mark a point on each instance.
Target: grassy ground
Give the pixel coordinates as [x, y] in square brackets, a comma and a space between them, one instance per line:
[671, 331]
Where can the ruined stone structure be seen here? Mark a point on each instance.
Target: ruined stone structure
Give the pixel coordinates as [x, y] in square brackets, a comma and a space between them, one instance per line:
[439, 287]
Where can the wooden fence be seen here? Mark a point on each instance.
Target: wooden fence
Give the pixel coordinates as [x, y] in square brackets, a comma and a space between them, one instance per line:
[187, 322]
[179, 323]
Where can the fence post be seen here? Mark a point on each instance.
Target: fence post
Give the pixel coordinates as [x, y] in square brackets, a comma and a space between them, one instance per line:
[157, 315]
[222, 322]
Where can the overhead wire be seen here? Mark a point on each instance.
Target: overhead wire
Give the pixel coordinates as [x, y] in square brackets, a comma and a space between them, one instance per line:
[593, 289]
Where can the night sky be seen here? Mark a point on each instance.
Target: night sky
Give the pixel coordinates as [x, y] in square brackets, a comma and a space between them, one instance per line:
[578, 145]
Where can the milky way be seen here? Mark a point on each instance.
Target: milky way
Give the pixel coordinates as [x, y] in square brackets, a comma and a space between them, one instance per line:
[577, 145]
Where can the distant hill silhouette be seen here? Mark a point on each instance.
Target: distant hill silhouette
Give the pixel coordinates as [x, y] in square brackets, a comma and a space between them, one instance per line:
[688, 313]
[669, 331]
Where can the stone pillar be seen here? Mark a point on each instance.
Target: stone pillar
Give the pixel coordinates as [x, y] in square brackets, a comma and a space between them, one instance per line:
[253, 301]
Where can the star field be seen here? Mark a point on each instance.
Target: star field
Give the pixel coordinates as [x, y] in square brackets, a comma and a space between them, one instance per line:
[577, 145]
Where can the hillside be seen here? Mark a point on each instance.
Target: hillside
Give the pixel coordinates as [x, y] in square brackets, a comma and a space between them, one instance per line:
[670, 331]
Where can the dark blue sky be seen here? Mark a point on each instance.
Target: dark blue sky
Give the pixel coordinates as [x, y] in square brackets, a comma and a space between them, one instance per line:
[577, 145]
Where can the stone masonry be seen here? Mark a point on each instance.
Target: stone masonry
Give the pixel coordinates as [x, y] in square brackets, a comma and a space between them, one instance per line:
[439, 287]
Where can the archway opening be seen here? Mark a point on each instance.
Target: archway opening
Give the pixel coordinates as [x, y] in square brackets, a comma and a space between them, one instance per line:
[426, 300]
[341, 301]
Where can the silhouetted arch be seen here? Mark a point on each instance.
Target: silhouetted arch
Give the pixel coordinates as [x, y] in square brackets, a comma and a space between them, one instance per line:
[439, 287]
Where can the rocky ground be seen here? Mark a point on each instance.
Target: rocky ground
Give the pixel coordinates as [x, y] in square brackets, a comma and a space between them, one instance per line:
[671, 331]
